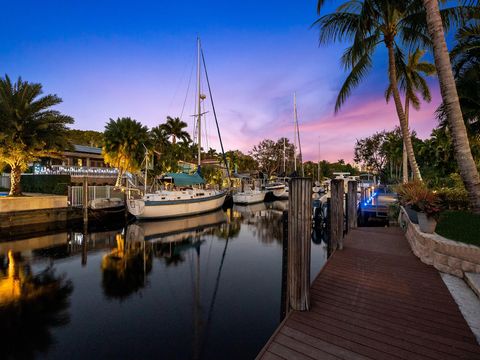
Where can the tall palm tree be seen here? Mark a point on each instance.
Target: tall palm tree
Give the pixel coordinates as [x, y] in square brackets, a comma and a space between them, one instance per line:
[461, 145]
[368, 23]
[174, 128]
[29, 127]
[412, 82]
[125, 145]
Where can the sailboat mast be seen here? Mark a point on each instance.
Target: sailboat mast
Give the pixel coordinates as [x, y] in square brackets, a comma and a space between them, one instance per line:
[199, 110]
[295, 131]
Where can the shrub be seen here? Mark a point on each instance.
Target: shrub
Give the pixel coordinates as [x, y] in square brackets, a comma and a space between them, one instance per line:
[419, 198]
[45, 184]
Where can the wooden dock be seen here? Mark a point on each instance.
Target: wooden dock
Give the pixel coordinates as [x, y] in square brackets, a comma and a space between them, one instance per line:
[375, 300]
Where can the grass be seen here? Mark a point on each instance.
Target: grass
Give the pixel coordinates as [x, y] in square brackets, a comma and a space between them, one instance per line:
[460, 226]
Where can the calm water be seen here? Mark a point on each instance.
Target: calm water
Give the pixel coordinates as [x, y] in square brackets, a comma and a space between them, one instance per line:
[205, 287]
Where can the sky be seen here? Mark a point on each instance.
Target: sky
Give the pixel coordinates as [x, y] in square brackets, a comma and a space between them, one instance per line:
[110, 59]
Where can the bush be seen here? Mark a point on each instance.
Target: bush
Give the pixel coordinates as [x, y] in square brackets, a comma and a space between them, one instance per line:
[45, 184]
[420, 198]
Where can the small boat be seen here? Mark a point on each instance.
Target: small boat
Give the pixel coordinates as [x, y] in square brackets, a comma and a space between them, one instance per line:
[249, 197]
[279, 190]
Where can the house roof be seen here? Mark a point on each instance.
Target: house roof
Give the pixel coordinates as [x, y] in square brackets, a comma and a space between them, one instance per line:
[87, 149]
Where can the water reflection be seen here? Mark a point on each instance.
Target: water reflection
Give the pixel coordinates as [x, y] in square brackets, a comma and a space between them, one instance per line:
[125, 268]
[203, 285]
[30, 306]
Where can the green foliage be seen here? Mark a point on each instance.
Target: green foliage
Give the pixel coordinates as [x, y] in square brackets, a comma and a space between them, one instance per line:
[125, 142]
[419, 197]
[269, 156]
[85, 137]
[46, 184]
[460, 226]
[29, 128]
[212, 175]
[174, 128]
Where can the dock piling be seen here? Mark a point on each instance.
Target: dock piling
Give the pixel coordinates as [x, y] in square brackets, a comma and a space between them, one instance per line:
[352, 205]
[336, 214]
[299, 243]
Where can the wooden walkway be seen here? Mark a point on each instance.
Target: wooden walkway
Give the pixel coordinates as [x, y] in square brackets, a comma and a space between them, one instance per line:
[375, 300]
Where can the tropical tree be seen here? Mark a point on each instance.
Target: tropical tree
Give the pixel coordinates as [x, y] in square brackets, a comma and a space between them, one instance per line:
[174, 128]
[412, 84]
[29, 127]
[367, 24]
[126, 141]
[461, 145]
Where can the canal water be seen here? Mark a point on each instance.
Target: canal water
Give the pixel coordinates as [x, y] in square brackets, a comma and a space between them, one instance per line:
[203, 287]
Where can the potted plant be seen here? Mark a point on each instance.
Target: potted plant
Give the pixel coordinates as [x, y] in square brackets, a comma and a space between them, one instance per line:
[415, 196]
[406, 192]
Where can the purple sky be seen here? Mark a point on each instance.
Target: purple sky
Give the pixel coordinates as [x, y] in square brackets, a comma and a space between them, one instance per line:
[122, 59]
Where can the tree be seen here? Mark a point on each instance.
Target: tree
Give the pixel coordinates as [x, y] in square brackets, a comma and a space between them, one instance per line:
[370, 152]
[29, 127]
[412, 82]
[125, 145]
[462, 151]
[174, 128]
[85, 137]
[367, 24]
[269, 155]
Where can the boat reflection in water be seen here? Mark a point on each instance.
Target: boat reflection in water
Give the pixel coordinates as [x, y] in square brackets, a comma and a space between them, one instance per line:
[183, 288]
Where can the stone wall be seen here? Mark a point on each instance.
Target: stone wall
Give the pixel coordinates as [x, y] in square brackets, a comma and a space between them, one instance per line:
[445, 255]
[34, 202]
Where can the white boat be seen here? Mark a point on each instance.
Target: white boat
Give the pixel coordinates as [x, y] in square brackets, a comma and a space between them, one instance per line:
[249, 197]
[175, 203]
[279, 190]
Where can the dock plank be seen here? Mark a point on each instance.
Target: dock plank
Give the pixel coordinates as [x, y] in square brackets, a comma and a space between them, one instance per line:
[375, 300]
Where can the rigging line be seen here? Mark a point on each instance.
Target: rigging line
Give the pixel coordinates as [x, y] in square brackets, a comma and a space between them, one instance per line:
[215, 116]
[188, 89]
[177, 87]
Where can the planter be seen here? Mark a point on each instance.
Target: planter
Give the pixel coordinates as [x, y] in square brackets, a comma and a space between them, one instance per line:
[412, 214]
[426, 224]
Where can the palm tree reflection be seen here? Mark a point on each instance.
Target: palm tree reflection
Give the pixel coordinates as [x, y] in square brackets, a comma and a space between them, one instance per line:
[125, 268]
[30, 305]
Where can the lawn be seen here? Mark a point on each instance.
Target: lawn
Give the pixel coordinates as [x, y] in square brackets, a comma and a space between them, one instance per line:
[461, 226]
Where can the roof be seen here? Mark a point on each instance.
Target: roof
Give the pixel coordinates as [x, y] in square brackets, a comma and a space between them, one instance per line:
[87, 149]
[181, 179]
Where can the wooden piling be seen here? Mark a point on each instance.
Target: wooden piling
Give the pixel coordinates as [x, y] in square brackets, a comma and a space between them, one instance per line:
[299, 242]
[336, 214]
[352, 205]
[85, 200]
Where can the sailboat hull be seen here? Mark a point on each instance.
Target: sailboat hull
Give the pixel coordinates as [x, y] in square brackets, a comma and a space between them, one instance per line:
[249, 197]
[151, 209]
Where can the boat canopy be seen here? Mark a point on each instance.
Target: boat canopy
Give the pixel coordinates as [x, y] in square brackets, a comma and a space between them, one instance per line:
[181, 179]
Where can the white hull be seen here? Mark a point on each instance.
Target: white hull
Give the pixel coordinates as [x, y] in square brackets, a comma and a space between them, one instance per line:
[174, 230]
[169, 205]
[249, 197]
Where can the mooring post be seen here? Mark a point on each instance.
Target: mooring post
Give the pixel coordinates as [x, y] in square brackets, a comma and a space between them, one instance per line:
[336, 213]
[299, 242]
[85, 200]
[352, 205]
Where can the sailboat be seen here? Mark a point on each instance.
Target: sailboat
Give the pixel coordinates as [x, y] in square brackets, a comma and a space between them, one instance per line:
[183, 202]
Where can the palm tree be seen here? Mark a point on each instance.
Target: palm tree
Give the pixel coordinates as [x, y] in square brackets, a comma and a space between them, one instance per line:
[461, 145]
[174, 128]
[125, 145]
[369, 23]
[411, 82]
[29, 127]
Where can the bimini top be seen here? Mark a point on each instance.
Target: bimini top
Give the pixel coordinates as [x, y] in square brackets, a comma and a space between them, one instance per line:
[181, 179]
